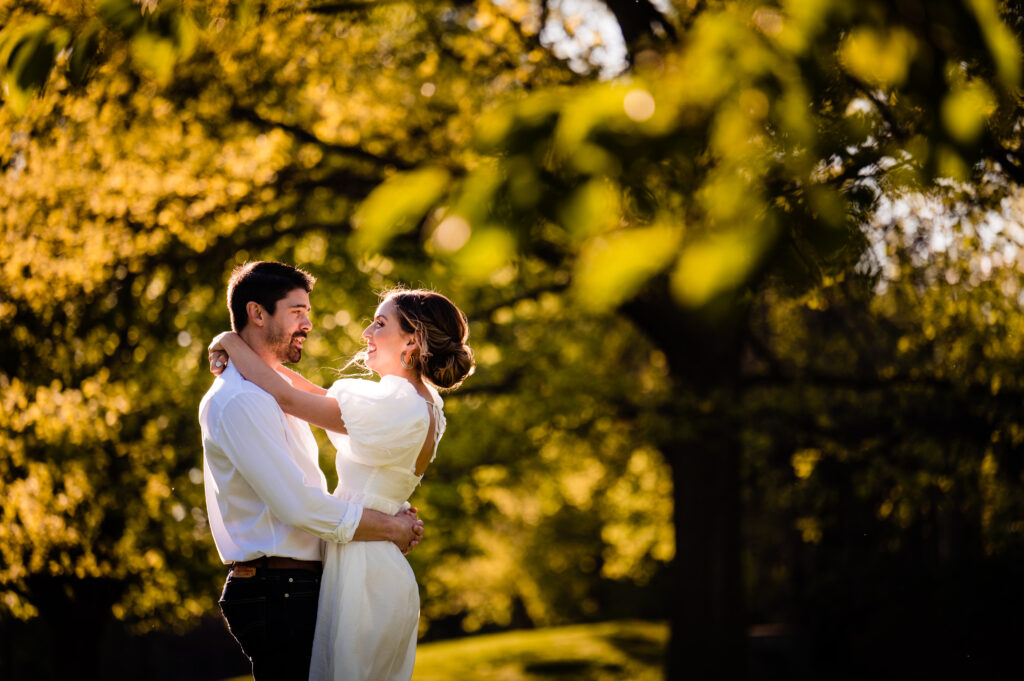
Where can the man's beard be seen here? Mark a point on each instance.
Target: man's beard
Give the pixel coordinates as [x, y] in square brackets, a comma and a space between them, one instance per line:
[283, 347]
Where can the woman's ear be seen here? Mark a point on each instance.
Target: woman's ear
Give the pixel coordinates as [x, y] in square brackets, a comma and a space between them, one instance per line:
[255, 312]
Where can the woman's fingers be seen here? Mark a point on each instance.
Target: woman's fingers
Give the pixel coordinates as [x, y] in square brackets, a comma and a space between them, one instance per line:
[218, 361]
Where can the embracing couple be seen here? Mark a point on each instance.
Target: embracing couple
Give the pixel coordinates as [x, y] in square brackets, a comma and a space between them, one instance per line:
[319, 586]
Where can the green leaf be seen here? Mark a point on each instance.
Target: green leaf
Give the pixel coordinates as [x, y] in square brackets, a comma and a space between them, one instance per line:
[396, 207]
[966, 110]
[28, 52]
[14, 38]
[156, 54]
[592, 209]
[613, 267]
[123, 15]
[33, 65]
[517, 127]
[879, 58]
[83, 50]
[719, 263]
[1000, 41]
[489, 250]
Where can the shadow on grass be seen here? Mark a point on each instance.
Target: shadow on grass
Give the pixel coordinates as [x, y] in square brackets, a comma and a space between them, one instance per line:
[644, 649]
[570, 670]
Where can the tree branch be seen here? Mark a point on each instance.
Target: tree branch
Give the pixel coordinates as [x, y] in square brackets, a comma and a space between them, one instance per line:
[250, 115]
[525, 295]
[637, 19]
[343, 7]
[883, 108]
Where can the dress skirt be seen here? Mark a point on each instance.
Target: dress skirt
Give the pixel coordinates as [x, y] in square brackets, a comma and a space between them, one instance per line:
[368, 617]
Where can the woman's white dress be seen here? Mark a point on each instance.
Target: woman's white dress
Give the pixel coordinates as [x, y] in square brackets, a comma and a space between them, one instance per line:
[369, 604]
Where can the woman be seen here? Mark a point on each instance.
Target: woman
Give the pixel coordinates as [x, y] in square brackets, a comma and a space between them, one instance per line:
[386, 434]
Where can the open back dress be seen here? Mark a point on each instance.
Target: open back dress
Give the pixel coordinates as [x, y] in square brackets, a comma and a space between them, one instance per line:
[368, 615]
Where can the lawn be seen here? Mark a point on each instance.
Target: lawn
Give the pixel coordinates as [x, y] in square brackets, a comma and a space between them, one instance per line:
[610, 651]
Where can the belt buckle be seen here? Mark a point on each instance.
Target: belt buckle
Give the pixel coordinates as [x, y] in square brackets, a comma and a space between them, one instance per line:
[243, 571]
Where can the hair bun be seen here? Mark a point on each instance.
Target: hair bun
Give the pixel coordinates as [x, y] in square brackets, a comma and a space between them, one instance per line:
[450, 366]
[441, 329]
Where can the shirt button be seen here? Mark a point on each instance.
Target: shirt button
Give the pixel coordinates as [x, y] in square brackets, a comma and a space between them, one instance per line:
[286, 595]
[290, 580]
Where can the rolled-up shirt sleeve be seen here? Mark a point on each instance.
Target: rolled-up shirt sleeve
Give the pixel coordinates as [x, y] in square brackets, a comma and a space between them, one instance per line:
[252, 437]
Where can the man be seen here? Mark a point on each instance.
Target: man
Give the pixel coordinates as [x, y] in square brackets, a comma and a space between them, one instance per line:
[265, 494]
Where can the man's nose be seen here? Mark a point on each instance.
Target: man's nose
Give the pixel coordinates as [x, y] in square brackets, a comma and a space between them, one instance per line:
[306, 324]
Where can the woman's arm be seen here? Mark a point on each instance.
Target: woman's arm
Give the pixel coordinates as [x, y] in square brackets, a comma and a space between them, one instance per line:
[318, 409]
[219, 361]
[299, 381]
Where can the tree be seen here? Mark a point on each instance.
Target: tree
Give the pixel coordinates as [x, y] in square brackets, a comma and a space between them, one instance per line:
[748, 158]
[727, 177]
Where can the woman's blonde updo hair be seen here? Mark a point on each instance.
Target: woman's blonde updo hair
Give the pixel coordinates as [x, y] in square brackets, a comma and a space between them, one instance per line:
[441, 330]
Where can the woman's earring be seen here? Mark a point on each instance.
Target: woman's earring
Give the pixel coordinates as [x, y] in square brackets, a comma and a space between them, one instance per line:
[401, 358]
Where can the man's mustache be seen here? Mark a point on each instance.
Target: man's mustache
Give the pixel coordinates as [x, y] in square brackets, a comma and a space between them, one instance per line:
[299, 334]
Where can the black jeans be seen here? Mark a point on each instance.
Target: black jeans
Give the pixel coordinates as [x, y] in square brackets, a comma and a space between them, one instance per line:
[272, 615]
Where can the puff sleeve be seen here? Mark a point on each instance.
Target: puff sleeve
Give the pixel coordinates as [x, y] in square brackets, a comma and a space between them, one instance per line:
[384, 419]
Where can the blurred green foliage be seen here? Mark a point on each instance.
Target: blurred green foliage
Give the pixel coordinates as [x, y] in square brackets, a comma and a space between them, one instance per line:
[772, 268]
[127, 199]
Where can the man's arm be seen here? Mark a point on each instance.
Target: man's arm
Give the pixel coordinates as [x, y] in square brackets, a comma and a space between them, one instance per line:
[251, 438]
[250, 434]
[404, 529]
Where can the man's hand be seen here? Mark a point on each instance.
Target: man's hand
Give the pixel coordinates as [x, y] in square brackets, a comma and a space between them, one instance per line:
[408, 530]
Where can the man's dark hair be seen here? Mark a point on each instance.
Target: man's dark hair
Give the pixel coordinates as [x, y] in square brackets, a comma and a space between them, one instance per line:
[265, 283]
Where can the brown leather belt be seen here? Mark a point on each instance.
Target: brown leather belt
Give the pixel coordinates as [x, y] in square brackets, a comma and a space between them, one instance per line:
[278, 563]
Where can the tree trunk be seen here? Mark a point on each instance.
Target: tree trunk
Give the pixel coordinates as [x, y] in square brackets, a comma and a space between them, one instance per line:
[76, 614]
[704, 355]
[707, 615]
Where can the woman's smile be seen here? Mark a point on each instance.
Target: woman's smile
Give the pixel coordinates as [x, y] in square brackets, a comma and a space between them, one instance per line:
[386, 341]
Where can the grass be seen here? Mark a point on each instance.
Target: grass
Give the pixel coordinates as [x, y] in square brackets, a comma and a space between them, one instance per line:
[610, 651]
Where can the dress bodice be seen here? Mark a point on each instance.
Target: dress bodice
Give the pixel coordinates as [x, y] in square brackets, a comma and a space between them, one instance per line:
[387, 423]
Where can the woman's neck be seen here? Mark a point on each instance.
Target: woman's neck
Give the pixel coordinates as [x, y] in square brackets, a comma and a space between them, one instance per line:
[417, 382]
[411, 376]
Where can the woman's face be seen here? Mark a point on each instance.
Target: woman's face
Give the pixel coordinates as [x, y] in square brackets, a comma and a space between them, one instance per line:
[385, 341]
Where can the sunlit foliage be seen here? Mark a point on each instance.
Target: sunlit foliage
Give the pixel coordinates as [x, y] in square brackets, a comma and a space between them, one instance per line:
[195, 136]
[751, 268]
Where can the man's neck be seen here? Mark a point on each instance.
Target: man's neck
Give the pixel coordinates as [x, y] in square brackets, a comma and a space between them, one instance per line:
[256, 341]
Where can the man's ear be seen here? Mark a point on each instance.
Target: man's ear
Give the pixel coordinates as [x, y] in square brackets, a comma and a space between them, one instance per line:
[257, 314]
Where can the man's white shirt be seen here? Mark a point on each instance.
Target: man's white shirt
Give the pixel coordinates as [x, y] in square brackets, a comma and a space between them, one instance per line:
[265, 492]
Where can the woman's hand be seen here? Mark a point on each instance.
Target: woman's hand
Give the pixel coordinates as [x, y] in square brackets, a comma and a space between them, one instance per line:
[218, 362]
[412, 512]
[218, 355]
